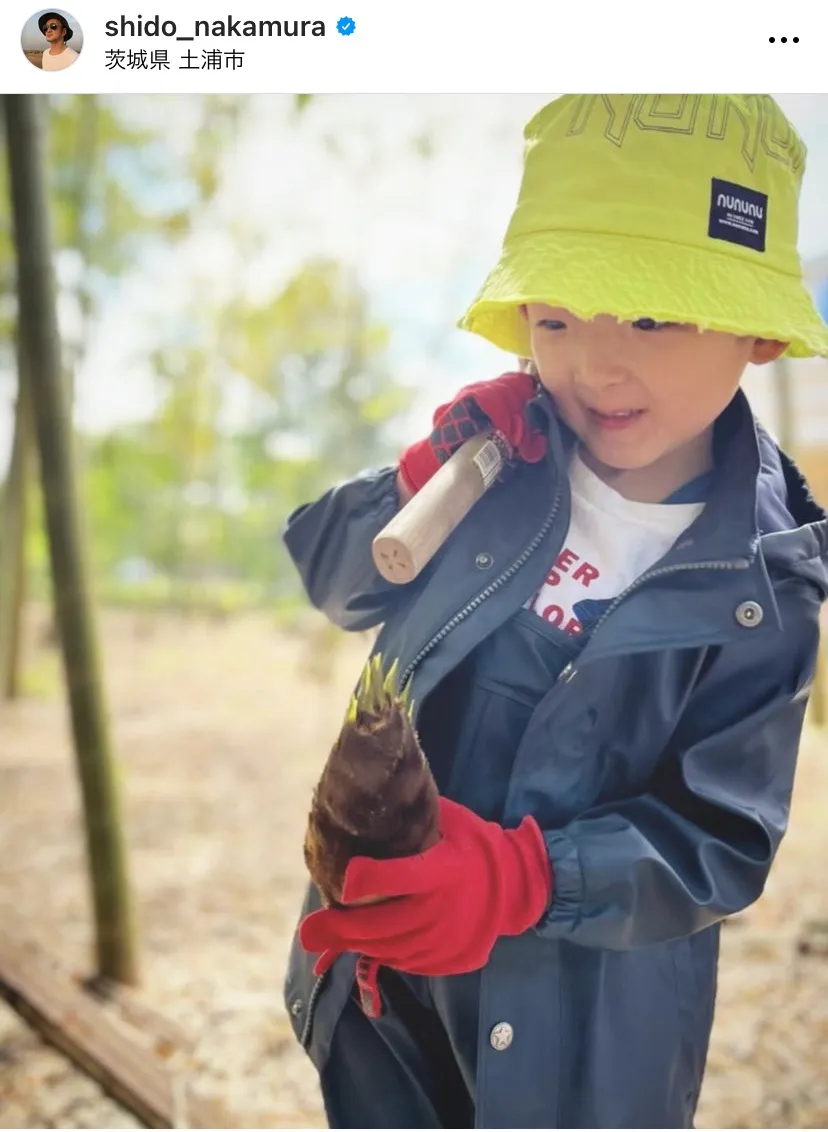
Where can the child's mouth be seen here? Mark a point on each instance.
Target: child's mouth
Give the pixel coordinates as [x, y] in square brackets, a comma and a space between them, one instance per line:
[619, 420]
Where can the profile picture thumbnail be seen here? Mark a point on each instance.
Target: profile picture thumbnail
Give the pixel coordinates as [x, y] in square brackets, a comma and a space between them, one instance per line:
[52, 39]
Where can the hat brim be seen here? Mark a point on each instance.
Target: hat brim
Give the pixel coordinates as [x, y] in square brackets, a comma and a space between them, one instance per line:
[630, 278]
[44, 19]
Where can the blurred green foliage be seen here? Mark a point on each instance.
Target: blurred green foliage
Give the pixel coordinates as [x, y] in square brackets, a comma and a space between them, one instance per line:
[180, 509]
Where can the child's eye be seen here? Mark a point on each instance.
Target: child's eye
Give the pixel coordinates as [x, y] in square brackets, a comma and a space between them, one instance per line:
[651, 324]
[551, 324]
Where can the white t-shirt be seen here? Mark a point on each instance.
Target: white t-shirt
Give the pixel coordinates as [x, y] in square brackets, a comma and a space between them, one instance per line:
[60, 61]
[611, 541]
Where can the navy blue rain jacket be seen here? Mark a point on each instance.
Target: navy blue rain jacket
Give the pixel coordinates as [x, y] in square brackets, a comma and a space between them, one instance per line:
[660, 764]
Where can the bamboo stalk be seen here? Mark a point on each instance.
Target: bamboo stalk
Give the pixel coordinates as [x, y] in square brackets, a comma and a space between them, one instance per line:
[40, 343]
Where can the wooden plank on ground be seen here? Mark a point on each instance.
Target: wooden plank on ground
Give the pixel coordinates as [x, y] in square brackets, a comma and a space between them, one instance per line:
[77, 1024]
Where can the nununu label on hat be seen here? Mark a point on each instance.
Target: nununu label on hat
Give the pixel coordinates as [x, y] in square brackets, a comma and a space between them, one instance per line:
[737, 214]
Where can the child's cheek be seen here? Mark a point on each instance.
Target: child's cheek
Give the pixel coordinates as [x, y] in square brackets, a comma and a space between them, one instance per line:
[551, 379]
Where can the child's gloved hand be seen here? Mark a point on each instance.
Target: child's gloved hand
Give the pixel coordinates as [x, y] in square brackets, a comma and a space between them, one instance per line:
[497, 405]
[442, 910]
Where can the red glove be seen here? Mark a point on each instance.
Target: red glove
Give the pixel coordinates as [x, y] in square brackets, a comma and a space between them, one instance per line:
[498, 405]
[442, 910]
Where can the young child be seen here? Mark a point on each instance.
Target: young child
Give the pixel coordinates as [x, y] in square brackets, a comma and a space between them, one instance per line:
[611, 655]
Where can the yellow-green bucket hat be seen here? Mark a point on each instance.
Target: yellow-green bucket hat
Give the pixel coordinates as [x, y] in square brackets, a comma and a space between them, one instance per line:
[677, 207]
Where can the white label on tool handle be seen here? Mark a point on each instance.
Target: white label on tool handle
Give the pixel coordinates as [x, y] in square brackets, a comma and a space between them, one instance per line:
[488, 461]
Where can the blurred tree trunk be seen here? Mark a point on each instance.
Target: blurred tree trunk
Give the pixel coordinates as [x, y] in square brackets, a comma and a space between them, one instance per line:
[40, 345]
[785, 407]
[786, 431]
[13, 543]
[81, 178]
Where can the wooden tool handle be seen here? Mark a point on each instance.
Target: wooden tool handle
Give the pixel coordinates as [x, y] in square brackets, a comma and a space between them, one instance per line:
[415, 534]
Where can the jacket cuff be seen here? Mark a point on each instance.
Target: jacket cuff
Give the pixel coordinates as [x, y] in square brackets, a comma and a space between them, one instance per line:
[564, 911]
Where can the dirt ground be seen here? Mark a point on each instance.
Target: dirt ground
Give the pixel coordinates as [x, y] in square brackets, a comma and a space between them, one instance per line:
[220, 730]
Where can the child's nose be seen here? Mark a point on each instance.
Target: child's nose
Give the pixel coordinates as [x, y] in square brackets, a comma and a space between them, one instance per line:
[599, 366]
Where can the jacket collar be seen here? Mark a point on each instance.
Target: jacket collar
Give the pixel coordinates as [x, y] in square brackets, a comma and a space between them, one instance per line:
[758, 490]
[759, 503]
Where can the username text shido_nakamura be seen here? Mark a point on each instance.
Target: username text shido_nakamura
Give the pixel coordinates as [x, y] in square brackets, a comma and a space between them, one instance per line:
[156, 27]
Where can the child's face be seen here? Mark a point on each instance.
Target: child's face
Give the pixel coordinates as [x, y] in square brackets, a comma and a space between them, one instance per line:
[635, 392]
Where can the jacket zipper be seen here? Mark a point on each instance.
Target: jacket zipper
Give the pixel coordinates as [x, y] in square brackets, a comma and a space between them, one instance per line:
[478, 600]
[314, 994]
[723, 564]
[458, 617]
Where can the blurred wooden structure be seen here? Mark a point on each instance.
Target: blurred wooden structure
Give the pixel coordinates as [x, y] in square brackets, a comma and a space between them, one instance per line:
[132, 1066]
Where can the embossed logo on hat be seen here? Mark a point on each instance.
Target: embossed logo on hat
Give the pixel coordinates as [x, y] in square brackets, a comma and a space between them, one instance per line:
[763, 128]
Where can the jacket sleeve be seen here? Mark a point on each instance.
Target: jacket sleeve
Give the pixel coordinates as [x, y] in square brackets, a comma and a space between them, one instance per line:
[699, 845]
[330, 544]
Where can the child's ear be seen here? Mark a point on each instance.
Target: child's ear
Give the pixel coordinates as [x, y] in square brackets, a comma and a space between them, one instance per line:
[766, 350]
[523, 310]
